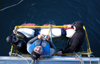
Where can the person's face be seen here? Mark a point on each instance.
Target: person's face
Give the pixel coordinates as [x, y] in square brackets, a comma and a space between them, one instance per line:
[74, 28]
[38, 49]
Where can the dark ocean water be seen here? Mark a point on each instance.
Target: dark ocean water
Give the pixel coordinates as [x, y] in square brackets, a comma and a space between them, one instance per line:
[57, 12]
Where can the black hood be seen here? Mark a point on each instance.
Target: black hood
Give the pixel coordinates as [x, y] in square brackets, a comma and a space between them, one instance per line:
[78, 25]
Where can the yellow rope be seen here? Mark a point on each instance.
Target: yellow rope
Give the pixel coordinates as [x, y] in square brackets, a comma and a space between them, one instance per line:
[49, 31]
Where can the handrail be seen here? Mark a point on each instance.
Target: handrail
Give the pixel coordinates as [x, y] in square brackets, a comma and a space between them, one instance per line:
[11, 48]
[86, 36]
[79, 53]
[39, 26]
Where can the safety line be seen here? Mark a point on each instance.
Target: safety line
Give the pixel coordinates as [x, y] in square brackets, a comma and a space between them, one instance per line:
[11, 6]
[21, 57]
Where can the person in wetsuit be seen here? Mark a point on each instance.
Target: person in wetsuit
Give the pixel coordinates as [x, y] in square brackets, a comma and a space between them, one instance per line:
[18, 44]
[38, 46]
[76, 40]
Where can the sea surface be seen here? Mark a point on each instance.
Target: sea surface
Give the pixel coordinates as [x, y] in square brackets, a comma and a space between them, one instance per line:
[59, 12]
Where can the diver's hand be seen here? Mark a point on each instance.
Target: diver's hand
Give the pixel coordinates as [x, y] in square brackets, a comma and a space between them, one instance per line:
[59, 53]
[47, 38]
[15, 31]
[40, 36]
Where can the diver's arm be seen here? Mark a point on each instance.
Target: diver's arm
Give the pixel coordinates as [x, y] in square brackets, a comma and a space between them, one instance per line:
[16, 47]
[52, 45]
[33, 39]
[73, 46]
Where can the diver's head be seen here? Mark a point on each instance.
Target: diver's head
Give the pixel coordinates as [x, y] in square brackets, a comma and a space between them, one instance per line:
[12, 39]
[78, 25]
[36, 52]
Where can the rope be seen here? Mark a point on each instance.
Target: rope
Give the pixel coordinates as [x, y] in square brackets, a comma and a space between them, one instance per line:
[33, 62]
[80, 58]
[90, 60]
[11, 5]
[50, 32]
[89, 55]
[20, 56]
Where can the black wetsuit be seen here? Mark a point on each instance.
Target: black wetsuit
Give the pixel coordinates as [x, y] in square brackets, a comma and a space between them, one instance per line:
[20, 45]
[77, 39]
